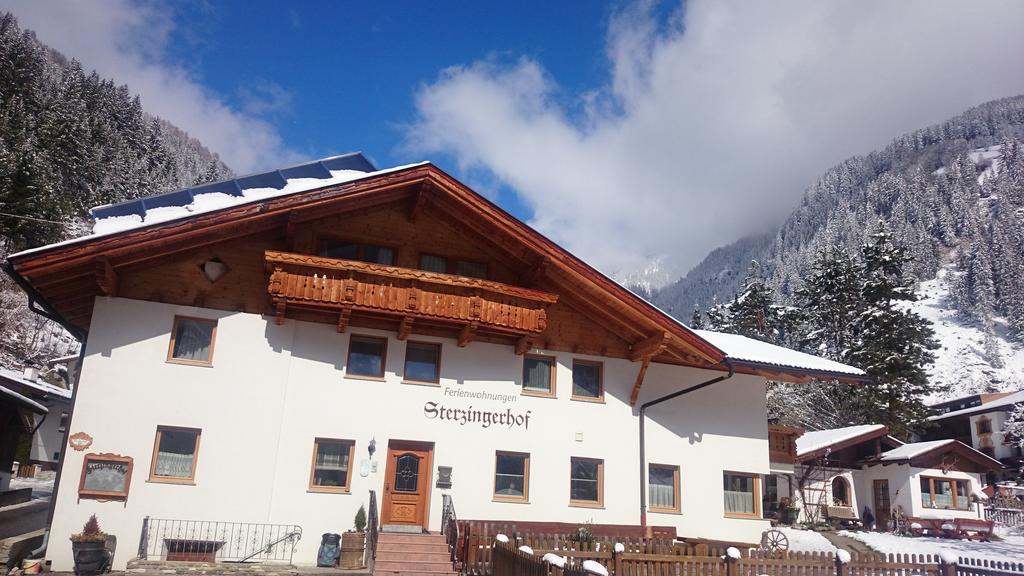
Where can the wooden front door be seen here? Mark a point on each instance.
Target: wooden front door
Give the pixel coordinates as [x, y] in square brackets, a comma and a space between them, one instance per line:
[880, 489]
[407, 484]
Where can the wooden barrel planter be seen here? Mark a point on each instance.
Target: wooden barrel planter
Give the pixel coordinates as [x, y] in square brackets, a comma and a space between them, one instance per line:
[353, 547]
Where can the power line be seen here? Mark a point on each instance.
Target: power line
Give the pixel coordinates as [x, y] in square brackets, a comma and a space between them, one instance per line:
[32, 218]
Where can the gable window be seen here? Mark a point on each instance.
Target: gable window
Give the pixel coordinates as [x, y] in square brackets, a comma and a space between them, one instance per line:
[471, 269]
[539, 375]
[332, 465]
[945, 493]
[443, 265]
[345, 250]
[663, 488]
[432, 263]
[175, 452]
[423, 362]
[586, 380]
[366, 356]
[512, 476]
[586, 482]
[192, 341]
[741, 497]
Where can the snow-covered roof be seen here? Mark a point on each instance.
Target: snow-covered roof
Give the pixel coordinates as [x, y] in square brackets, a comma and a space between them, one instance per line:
[152, 210]
[23, 401]
[814, 441]
[1005, 401]
[913, 450]
[743, 349]
[43, 387]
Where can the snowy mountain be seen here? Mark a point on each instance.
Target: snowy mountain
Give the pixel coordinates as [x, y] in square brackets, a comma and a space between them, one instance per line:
[953, 194]
[70, 140]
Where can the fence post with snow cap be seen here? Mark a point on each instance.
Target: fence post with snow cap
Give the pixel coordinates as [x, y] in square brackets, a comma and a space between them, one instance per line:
[617, 551]
[595, 567]
[948, 561]
[732, 558]
[842, 559]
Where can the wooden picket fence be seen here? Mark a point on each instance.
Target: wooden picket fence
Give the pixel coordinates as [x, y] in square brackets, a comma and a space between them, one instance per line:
[498, 559]
[976, 567]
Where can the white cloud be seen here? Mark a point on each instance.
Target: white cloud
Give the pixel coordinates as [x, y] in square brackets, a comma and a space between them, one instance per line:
[127, 41]
[711, 128]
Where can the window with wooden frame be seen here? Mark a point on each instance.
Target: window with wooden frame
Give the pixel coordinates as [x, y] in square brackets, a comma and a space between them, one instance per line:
[457, 266]
[192, 341]
[742, 498]
[984, 425]
[539, 375]
[349, 250]
[423, 362]
[175, 453]
[586, 482]
[511, 476]
[331, 470]
[587, 380]
[105, 477]
[663, 487]
[945, 493]
[366, 356]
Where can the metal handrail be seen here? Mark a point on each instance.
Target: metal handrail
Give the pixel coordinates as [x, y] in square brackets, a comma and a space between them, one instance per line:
[450, 527]
[372, 528]
[213, 541]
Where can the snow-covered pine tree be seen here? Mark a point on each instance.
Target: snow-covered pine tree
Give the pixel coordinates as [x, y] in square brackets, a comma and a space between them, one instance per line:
[831, 301]
[893, 344]
[696, 319]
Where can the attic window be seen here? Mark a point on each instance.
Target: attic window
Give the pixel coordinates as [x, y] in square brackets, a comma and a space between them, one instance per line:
[214, 269]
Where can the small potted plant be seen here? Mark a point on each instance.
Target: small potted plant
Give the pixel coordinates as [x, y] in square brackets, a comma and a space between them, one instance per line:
[353, 542]
[89, 549]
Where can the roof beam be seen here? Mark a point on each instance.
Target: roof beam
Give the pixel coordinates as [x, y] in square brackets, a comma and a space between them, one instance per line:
[523, 345]
[649, 347]
[106, 278]
[467, 334]
[644, 363]
[405, 328]
[418, 201]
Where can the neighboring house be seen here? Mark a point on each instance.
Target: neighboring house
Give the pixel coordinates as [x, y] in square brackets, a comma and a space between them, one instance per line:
[48, 440]
[978, 421]
[17, 417]
[842, 471]
[292, 341]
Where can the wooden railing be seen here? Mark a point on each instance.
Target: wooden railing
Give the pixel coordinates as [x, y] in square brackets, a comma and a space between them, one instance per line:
[782, 443]
[659, 559]
[347, 287]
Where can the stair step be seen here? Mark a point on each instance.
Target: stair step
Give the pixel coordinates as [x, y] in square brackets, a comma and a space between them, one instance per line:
[439, 548]
[411, 538]
[399, 556]
[377, 571]
[412, 566]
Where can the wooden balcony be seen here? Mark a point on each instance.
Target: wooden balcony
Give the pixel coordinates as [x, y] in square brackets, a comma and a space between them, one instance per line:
[782, 443]
[408, 297]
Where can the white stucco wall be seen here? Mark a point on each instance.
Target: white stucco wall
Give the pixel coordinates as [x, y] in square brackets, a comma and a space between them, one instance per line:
[905, 489]
[273, 389]
[1000, 447]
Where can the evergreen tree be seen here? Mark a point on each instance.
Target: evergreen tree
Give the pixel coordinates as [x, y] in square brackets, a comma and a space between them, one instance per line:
[831, 301]
[696, 319]
[893, 344]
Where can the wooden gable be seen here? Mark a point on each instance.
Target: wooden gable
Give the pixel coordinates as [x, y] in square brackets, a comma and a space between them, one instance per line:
[414, 211]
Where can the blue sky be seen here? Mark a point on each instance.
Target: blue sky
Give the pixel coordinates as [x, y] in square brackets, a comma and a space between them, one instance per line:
[341, 76]
[640, 134]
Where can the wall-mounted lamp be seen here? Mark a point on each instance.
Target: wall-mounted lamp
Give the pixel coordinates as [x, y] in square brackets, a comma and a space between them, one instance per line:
[372, 447]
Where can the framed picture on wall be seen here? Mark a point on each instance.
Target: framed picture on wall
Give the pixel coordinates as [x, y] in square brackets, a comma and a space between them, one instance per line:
[105, 477]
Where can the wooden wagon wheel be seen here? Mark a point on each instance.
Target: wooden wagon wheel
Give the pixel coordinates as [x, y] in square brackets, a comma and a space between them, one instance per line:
[774, 541]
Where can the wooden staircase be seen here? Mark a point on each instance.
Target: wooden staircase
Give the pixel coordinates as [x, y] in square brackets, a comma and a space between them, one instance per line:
[412, 555]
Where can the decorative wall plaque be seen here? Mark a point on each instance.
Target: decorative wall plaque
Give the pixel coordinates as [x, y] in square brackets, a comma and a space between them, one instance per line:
[80, 441]
[105, 477]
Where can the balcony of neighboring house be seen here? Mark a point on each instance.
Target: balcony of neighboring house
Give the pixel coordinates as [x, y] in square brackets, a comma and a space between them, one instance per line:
[782, 443]
[352, 292]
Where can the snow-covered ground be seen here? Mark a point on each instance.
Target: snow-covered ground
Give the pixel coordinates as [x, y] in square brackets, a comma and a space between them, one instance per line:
[40, 488]
[960, 362]
[806, 540]
[1011, 549]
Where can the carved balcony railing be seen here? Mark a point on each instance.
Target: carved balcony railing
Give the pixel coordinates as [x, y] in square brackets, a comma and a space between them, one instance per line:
[782, 443]
[349, 288]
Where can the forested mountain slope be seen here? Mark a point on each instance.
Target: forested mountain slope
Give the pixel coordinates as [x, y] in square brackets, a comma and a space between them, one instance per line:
[70, 140]
[953, 195]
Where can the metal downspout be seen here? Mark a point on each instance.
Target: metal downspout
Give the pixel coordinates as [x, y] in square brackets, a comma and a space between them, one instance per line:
[643, 451]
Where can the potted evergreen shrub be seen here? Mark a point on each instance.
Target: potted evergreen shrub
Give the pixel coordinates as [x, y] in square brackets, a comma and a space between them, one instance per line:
[89, 549]
[353, 542]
